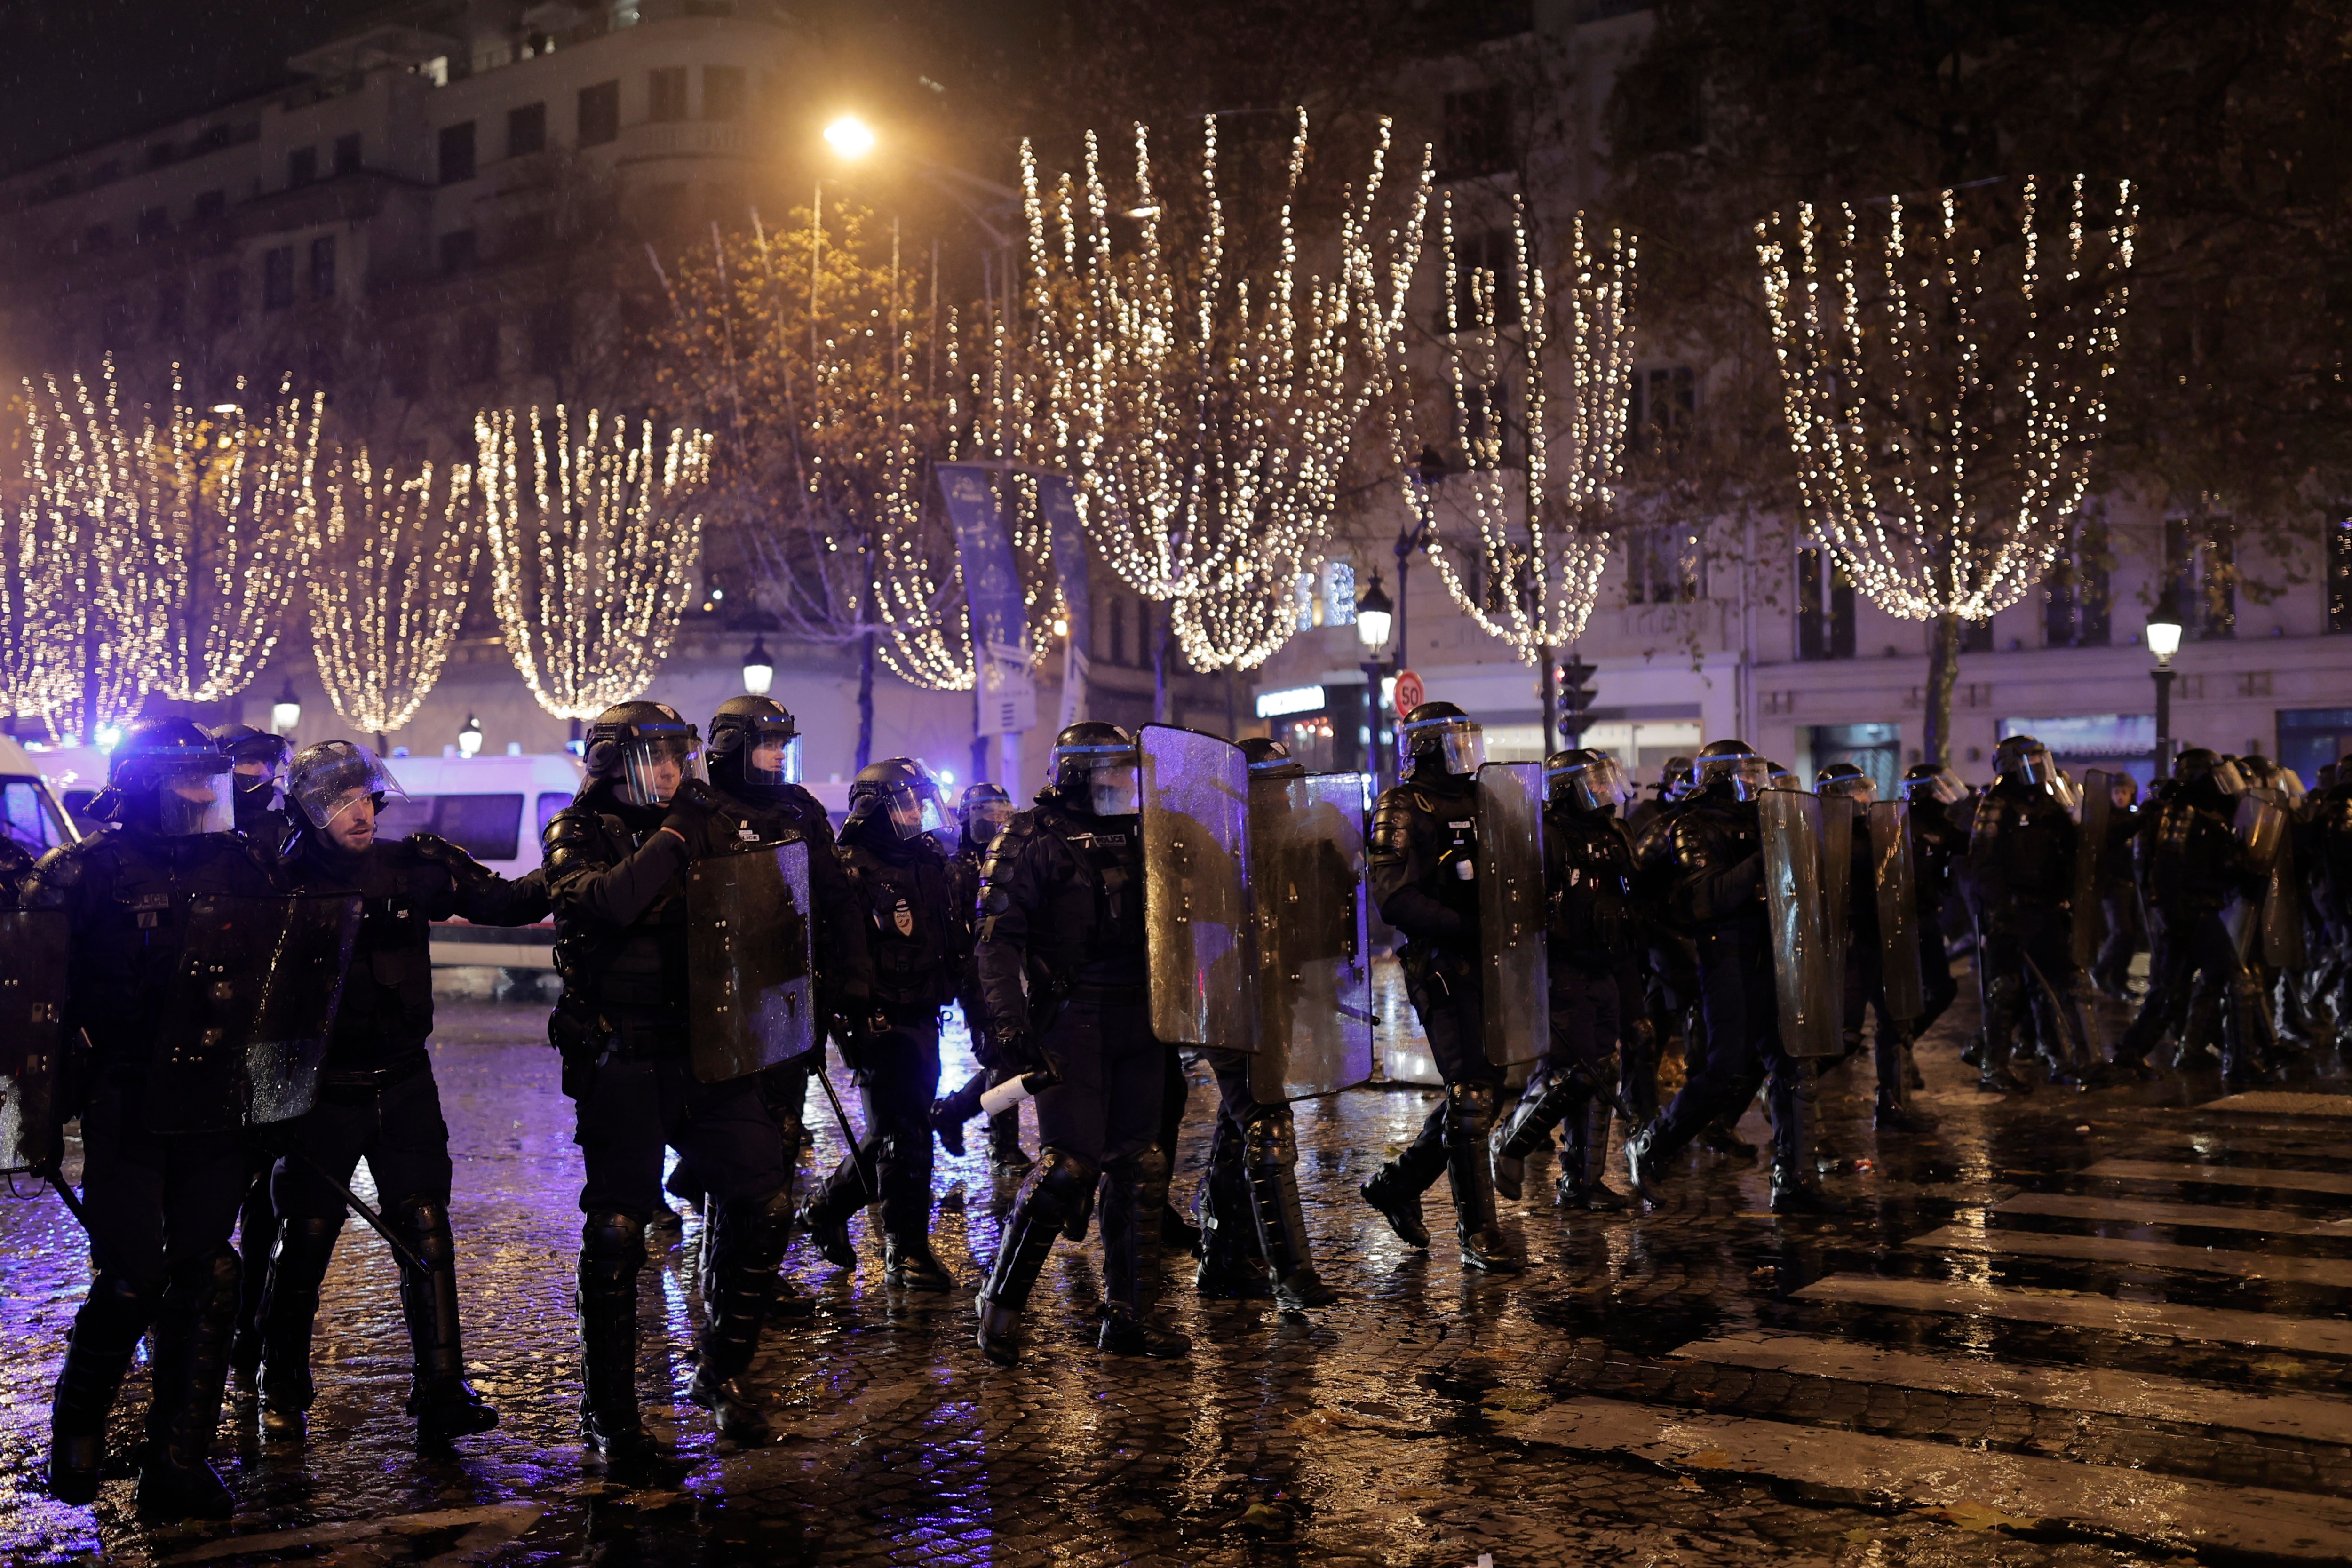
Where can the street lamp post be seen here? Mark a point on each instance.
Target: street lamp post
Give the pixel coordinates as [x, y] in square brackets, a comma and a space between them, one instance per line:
[1374, 613]
[2164, 641]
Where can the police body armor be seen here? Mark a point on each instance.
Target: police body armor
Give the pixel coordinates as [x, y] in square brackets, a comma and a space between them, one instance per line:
[1197, 907]
[2022, 849]
[1895, 880]
[1513, 914]
[1808, 968]
[1589, 907]
[2090, 866]
[2192, 859]
[1311, 934]
[912, 932]
[33, 958]
[625, 981]
[2261, 827]
[750, 978]
[1090, 921]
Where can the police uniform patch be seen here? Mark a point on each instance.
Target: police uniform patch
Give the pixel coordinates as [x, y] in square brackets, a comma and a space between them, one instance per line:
[903, 917]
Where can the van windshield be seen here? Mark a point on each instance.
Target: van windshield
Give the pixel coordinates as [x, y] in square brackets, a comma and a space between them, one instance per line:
[27, 819]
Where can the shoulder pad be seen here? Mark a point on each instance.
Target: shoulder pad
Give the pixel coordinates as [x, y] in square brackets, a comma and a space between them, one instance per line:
[1392, 816]
[1692, 847]
[570, 828]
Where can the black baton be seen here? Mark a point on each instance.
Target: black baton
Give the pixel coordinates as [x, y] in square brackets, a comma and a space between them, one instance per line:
[408, 1259]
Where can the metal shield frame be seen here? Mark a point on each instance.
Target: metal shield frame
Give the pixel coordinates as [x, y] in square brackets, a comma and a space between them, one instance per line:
[749, 981]
[1514, 952]
[299, 1003]
[33, 953]
[1807, 974]
[1895, 879]
[2262, 828]
[1313, 943]
[1196, 891]
[196, 1080]
[2090, 927]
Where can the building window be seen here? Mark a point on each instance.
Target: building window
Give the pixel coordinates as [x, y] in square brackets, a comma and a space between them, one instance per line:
[347, 153]
[153, 223]
[1664, 401]
[322, 267]
[228, 297]
[1485, 281]
[301, 167]
[665, 93]
[1825, 605]
[2339, 572]
[457, 250]
[1665, 564]
[2074, 606]
[2201, 575]
[550, 338]
[1475, 134]
[722, 92]
[1875, 749]
[526, 130]
[1483, 414]
[478, 352]
[277, 278]
[457, 153]
[600, 114]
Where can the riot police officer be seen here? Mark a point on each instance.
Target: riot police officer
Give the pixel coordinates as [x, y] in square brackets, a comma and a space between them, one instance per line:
[981, 814]
[615, 866]
[1714, 884]
[377, 1097]
[1932, 790]
[160, 1206]
[1253, 1238]
[2021, 882]
[1063, 976]
[757, 798]
[1595, 977]
[1424, 854]
[2127, 931]
[258, 759]
[2191, 865]
[903, 890]
[1863, 964]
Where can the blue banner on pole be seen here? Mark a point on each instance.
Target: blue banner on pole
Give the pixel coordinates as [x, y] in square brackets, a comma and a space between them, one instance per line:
[1007, 696]
[1058, 498]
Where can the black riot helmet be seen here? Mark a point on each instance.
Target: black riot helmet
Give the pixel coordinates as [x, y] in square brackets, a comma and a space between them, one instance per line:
[754, 741]
[1932, 781]
[645, 748]
[902, 790]
[1096, 767]
[329, 778]
[257, 759]
[1270, 759]
[1674, 778]
[2026, 760]
[1585, 780]
[984, 809]
[1845, 779]
[1734, 764]
[1443, 734]
[167, 776]
[2198, 765]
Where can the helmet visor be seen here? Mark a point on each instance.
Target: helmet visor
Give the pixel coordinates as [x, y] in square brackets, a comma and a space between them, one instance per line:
[984, 820]
[1459, 743]
[1863, 789]
[1943, 788]
[2226, 777]
[2034, 766]
[772, 753]
[2067, 792]
[1593, 786]
[654, 766]
[1116, 789]
[913, 809]
[193, 796]
[333, 784]
[1748, 776]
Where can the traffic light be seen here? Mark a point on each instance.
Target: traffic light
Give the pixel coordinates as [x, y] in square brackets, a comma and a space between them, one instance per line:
[1575, 698]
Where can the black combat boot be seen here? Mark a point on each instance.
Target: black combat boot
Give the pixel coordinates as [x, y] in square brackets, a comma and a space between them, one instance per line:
[1230, 1265]
[446, 1406]
[1895, 1112]
[1528, 1127]
[1270, 1158]
[958, 1106]
[1004, 1151]
[192, 1330]
[1582, 1182]
[290, 1307]
[1396, 1187]
[1127, 1328]
[257, 1237]
[738, 1281]
[1794, 1188]
[612, 1250]
[824, 1220]
[1053, 1198]
[106, 1334]
[1469, 1120]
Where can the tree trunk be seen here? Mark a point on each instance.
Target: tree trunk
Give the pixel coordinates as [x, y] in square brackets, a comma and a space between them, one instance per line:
[1547, 693]
[1943, 674]
[864, 701]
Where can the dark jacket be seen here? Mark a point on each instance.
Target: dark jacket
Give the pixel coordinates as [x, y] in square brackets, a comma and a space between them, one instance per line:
[2020, 858]
[772, 815]
[1714, 858]
[2190, 858]
[1589, 888]
[1061, 906]
[405, 885]
[618, 885]
[902, 896]
[1424, 860]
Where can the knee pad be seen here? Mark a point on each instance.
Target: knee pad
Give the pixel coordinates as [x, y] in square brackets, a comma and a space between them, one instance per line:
[613, 1246]
[1152, 1165]
[211, 1278]
[122, 1299]
[1271, 1138]
[306, 1234]
[1470, 1109]
[1066, 1178]
[426, 1222]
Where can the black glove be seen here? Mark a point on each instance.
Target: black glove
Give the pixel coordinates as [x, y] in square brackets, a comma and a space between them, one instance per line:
[1012, 1052]
[688, 813]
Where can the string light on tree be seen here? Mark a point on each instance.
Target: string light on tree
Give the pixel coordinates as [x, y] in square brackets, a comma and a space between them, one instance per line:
[592, 535]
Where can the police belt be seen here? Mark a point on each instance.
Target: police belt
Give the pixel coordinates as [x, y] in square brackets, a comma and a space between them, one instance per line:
[644, 1039]
[356, 1083]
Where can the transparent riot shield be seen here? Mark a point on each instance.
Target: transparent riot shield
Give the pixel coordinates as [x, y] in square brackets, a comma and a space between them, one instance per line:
[2262, 828]
[1806, 972]
[32, 1034]
[1839, 823]
[2283, 942]
[2090, 926]
[1511, 928]
[298, 1004]
[750, 984]
[1315, 976]
[1894, 878]
[1196, 890]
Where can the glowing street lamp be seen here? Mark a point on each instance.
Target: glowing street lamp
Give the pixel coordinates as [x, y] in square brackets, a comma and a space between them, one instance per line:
[287, 712]
[1374, 613]
[2164, 641]
[470, 739]
[759, 669]
[850, 137]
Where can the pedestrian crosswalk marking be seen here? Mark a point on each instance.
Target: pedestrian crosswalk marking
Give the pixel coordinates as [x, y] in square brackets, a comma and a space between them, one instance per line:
[2319, 1417]
[2211, 1217]
[2104, 1499]
[2277, 1102]
[2078, 1310]
[2333, 1272]
[2224, 1176]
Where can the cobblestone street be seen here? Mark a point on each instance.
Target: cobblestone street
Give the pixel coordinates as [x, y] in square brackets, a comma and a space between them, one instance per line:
[2068, 1328]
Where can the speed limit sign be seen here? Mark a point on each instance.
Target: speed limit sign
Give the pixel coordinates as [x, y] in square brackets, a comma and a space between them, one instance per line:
[1409, 695]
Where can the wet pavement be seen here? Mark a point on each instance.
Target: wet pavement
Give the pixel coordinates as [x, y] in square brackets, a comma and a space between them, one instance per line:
[2070, 1329]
